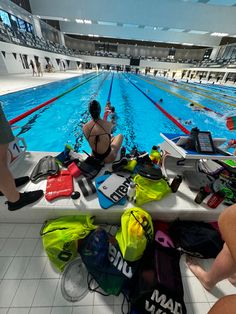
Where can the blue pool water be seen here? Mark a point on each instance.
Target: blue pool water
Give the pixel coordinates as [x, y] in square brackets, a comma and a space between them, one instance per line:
[141, 122]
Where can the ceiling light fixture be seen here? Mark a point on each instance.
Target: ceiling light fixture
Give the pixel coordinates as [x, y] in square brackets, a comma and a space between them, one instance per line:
[219, 34]
[107, 23]
[79, 21]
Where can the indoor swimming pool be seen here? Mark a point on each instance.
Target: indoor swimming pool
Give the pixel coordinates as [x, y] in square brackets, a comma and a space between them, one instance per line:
[141, 116]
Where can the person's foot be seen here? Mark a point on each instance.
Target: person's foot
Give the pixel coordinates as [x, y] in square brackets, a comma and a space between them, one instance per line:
[26, 198]
[19, 182]
[200, 273]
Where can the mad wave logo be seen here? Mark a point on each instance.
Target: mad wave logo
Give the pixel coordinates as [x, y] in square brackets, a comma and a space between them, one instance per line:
[162, 304]
[117, 260]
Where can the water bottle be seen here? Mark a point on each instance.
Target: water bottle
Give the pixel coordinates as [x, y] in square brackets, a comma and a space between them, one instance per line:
[202, 194]
[75, 196]
[176, 183]
[131, 192]
[155, 155]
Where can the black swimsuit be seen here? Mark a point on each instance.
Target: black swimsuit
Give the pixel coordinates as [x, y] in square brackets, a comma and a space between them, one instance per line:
[95, 153]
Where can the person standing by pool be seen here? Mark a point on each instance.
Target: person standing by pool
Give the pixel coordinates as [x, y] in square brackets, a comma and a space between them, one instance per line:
[15, 200]
[33, 67]
[39, 68]
[98, 134]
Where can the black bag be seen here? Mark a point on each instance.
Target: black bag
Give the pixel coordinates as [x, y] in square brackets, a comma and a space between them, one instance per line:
[90, 167]
[157, 285]
[102, 257]
[150, 172]
[195, 238]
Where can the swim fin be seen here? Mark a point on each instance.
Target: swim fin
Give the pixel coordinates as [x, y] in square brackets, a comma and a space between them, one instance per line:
[45, 167]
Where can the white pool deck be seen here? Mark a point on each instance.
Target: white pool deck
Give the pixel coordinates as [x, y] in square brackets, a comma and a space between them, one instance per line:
[174, 205]
[29, 284]
[17, 82]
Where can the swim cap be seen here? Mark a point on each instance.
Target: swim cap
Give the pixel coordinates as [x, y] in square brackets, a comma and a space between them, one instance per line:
[94, 109]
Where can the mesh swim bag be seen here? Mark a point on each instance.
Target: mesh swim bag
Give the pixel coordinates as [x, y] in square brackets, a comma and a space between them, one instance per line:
[135, 232]
[59, 237]
[148, 190]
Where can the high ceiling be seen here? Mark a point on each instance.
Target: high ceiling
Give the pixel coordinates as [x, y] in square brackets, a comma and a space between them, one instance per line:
[189, 22]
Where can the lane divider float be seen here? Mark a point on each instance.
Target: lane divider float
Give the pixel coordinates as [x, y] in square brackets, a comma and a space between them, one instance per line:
[193, 86]
[207, 96]
[106, 113]
[169, 116]
[183, 97]
[29, 112]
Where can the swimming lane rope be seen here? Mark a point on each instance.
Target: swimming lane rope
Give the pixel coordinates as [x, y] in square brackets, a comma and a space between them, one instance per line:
[29, 112]
[108, 97]
[179, 96]
[169, 116]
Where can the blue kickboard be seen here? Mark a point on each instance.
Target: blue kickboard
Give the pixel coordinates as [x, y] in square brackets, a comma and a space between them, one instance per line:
[103, 200]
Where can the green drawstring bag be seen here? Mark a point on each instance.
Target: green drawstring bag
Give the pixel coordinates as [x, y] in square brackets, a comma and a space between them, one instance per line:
[135, 232]
[60, 237]
[148, 190]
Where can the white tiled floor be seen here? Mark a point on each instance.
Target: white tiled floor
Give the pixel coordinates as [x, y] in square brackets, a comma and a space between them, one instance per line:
[29, 285]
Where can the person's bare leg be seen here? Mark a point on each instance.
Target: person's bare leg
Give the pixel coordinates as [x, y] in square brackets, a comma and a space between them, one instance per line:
[7, 183]
[223, 267]
[225, 305]
[115, 146]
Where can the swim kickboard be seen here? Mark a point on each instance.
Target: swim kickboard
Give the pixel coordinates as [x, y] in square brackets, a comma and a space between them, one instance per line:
[115, 187]
[103, 200]
[59, 185]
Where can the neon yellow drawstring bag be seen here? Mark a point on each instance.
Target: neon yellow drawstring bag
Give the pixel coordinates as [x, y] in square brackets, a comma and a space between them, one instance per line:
[148, 190]
[135, 232]
[59, 237]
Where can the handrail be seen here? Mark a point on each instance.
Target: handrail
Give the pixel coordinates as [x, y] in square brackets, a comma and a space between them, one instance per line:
[169, 116]
[29, 112]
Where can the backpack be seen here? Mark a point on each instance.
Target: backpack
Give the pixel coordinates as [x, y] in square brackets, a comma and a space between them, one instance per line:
[90, 167]
[59, 237]
[135, 232]
[157, 285]
[101, 255]
[195, 238]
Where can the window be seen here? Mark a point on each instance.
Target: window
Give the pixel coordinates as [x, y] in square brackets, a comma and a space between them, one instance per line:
[29, 27]
[22, 24]
[5, 17]
[14, 22]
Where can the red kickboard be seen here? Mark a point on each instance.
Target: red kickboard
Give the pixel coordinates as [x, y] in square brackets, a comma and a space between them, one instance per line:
[59, 185]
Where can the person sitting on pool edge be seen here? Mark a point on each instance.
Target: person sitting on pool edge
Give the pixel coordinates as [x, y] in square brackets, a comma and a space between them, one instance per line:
[98, 134]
